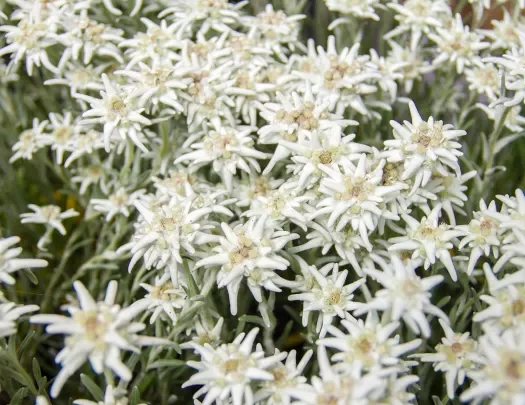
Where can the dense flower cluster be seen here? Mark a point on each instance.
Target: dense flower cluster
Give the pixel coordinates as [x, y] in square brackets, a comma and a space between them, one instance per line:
[229, 173]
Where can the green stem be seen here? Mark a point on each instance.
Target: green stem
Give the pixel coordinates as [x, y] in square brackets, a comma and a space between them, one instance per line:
[492, 142]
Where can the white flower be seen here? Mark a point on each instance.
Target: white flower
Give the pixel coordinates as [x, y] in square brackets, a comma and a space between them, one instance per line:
[367, 346]
[166, 230]
[297, 118]
[227, 149]
[483, 234]
[9, 261]
[418, 17]
[347, 242]
[506, 301]
[514, 121]
[9, 314]
[30, 39]
[164, 298]
[424, 147]
[85, 144]
[97, 331]
[334, 389]
[286, 376]
[413, 63]
[353, 196]
[248, 93]
[157, 84]
[79, 77]
[217, 15]
[429, 240]
[484, 78]
[30, 141]
[276, 29]
[457, 44]
[327, 294]
[91, 176]
[63, 128]
[204, 332]
[450, 192]
[228, 370]
[116, 203]
[93, 38]
[506, 31]
[501, 376]
[356, 8]
[515, 80]
[112, 396]
[342, 78]
[249, 250]
[115, 110]
[405, 295]
[157, 43]
[453, 356]
[49, 215]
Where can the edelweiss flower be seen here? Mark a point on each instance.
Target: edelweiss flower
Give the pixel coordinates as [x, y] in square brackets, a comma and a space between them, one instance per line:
[515, 80]
[506, 301]
[424, 147]
[276, 29]
[334, 389]
[457, 44]
[501, 376]
[30, 39]
[453, 356]
[90, 36]
[347, 242]
[157, 43]
[356, 8]
[116, 112]
[341, 78]
[112, 396]
[9, 314]
[116, 203]
[353, 196]
[429, 240]
[418, 17]
[227, 148]
[9, 261]
[367, 347]
[227, 371]
[51, 216]
[250, 250]
[286, 376]
[483, 234]
[164, 298]
[166, 230]
[328, 294]
[484, 78]
[30, 141]
[217, 15]
[97, 331]
[405, 295]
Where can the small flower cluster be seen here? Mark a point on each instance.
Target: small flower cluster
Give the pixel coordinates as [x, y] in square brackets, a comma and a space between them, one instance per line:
[313, 205]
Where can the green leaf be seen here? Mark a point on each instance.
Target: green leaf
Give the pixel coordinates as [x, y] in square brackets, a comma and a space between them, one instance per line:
[443, 301]
[36, 370]
[19, 396]
[92, 387]
[14, 374]
[436, 400]
[253, 319]
[26, 341]
[166, 363]
[135, 396]
[31, 276]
